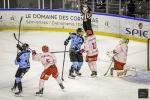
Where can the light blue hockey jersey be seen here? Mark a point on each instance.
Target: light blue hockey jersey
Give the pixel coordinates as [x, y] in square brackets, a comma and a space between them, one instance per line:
[76, 41]
[22, 59]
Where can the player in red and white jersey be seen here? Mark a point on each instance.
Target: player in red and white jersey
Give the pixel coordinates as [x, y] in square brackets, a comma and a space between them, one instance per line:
[48, 60]
[120, 56]
[90, 47]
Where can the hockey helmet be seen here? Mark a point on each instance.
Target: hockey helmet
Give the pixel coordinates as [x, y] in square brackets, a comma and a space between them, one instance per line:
[25, 46]
[84, 4]
[89, 32]
[80, 31]
[124, 40]
[45, 48]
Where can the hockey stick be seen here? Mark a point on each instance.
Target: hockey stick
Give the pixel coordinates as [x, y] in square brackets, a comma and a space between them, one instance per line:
[59, 51]
[110, 63]
[108, 68]
[63, 65]
[17, 39]
[31, 49]
[19, 28]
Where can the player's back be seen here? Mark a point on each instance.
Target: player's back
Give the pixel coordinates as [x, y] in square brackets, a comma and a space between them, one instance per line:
[76, 41]
[23, 59]
[91, 45]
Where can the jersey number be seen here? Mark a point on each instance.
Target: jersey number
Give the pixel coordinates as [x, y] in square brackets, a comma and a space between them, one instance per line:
[47, 60]
[94, 45]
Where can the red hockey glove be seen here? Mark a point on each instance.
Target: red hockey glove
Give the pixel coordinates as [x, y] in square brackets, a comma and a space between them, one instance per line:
[33, 52]
[114, 52]
[82, 51]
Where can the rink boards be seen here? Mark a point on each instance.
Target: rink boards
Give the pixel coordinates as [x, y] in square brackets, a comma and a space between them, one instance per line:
[67, 21]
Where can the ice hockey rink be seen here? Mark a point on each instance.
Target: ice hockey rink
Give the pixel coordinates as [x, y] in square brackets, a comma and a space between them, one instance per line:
[82, 88]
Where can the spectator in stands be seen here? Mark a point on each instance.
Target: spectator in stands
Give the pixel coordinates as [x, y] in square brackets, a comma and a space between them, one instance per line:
[131, 9]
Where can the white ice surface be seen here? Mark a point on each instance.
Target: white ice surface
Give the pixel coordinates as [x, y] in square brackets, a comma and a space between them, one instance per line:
[82, 88]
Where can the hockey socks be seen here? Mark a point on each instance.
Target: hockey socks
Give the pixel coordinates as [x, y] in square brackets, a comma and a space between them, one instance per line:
[71, 72]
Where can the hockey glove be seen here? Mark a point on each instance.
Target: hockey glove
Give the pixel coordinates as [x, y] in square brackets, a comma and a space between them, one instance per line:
[19, 47]
[33, 52]
[114, 52]
[66, 42]
[82, 51]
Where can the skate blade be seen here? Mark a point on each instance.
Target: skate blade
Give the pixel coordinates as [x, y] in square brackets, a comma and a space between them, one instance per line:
[71, 77]
[40, 95]
[79, 75]
[94, 76]
[16, 95]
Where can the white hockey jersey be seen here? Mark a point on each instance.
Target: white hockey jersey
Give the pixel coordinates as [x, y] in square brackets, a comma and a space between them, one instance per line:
[120, 52]
[47, 59]
[90, 46]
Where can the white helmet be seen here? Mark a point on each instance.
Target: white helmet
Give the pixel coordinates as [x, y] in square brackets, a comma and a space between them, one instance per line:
[45, 48]
[124, 40]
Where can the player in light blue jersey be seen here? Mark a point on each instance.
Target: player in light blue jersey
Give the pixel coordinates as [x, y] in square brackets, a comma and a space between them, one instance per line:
[76, 57]
[22, 60]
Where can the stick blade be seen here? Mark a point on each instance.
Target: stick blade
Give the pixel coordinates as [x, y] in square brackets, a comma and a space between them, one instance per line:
[105, 74]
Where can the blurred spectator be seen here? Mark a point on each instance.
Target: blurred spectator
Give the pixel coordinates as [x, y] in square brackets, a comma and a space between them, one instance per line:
[101, 4]
[131, 9]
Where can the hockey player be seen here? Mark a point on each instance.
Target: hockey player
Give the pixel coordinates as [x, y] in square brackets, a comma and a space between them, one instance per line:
[120, 57]
[90, 47]
[22, 60]
[86, 12]
[74, 52]
[48, 60]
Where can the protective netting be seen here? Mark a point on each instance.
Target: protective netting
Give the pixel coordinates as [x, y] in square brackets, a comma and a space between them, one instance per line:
[148, 54]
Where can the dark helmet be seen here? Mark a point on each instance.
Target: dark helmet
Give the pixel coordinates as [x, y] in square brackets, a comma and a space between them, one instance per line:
[25, 46]
[79, 30]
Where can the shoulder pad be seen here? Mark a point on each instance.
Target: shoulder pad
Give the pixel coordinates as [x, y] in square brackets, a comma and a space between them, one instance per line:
[72, 33]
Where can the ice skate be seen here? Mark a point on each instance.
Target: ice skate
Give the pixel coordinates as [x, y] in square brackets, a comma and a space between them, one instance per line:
[94, 74]
[39, 93]
[71, 73]
[18, 94]
[61, 86]
[71, 76]
[78, 73]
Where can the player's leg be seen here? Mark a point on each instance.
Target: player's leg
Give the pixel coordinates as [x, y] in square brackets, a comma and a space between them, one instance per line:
[93, 64]
[89, 30]
[15, 83]
[41, 87]
[44, 76]
[92, 67]
[91, 60]
[84, 26]
[73, 69]
[80, 63]
[18, 82]
[74, 60]
[55, 74]
[119, 67]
